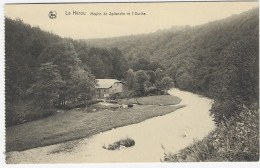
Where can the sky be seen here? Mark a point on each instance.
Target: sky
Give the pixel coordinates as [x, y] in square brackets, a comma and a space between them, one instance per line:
[157, 16]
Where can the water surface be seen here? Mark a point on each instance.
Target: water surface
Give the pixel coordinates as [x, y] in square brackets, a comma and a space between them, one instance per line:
[153, 137]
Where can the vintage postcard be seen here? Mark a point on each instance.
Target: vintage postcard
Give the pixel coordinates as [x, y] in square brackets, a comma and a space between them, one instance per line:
[131, 82]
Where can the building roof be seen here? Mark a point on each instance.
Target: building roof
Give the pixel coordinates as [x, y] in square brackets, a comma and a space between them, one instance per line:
[106, 83]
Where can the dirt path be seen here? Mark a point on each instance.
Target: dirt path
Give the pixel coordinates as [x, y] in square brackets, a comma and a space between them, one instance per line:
[173, 131]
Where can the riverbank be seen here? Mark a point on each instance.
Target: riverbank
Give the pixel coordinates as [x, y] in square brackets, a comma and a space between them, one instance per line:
[74, 124]
[153, 137]
[237, 140]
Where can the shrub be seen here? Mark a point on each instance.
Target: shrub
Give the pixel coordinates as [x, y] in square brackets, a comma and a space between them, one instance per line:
[25, 112]
[222, 111]
[185, 81]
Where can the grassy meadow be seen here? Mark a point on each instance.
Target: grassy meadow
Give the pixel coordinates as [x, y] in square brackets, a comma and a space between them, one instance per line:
[153, 100]
[74, 124]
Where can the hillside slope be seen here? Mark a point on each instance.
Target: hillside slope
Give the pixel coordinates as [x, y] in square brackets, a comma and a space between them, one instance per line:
[172, 42]
[190, 54]
[220, 60]
[31, 52]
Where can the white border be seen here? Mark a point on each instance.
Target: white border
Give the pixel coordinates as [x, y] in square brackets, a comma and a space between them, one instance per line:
[77, 1]
[107, 165]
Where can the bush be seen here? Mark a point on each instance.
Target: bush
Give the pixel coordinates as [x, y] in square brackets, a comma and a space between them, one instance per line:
[222, 111]
[185, 81]
[26, 112]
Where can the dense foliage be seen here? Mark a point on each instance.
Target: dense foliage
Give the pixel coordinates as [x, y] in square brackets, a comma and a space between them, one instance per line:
[142, 83]
[47, 86]
[23, 45]
[219, 60]
[103, 63]
[44, 71]
[194, 56]
[78, 81]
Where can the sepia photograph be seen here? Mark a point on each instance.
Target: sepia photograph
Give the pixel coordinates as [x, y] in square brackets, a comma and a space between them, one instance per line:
[146, 82]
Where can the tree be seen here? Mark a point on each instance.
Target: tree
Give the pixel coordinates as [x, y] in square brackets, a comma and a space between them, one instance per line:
[151, 75]
[239, 71]
[84, 86]
[104, 63]
[236, 83]
[141, 64]
[119, 63]
[159, 74]
[171, 71]
[130, 79]
[185, 81]
[97, 66]
[155, 65]
[165, 84]
[64, 56]
[142, 80]
[47, 87]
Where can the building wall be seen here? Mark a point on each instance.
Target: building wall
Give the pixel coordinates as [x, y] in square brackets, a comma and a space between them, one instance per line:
[105, 92]
[102, 93]
[116, 88]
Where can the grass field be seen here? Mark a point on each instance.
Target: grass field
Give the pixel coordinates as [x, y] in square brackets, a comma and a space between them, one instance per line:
[75, 124]
[153, 100]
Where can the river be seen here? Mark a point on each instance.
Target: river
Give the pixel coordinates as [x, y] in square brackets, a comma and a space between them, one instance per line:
[153, 137]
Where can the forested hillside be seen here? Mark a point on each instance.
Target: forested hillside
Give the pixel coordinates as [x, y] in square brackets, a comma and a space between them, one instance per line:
[103, 63]
[23, 45]
[191, 55]
[218, 59]
[43, 70]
